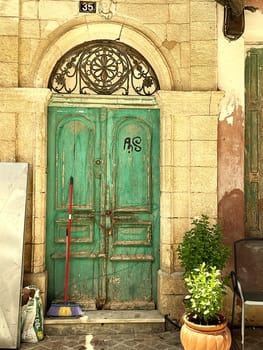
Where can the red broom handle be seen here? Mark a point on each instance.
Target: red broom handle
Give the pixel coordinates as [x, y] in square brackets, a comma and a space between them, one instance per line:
[68, 239]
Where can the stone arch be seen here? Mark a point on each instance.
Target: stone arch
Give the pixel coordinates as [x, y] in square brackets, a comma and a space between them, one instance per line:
[78, 31]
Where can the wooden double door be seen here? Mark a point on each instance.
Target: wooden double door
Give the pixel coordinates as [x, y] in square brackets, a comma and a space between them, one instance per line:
[113, 157]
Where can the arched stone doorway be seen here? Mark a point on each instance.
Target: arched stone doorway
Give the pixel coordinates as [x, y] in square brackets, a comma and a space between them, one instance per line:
[178, 110]
[76, 32]
[61, 41]
[112, 152]
[110, 67]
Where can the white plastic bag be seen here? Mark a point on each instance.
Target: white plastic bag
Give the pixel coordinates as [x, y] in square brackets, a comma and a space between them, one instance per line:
[32, 319]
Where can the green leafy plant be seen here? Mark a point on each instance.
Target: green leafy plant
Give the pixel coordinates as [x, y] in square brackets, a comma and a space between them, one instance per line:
[206, 291]
[203, 243]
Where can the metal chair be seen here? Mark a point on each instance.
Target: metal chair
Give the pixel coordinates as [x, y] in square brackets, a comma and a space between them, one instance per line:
[247, 278]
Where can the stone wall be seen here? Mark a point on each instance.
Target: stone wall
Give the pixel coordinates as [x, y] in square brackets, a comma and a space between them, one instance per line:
[179, 39]
[23, 139]
[188, 180]
[185, 30]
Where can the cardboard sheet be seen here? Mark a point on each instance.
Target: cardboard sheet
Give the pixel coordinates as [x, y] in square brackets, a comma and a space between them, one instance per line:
[13, 188]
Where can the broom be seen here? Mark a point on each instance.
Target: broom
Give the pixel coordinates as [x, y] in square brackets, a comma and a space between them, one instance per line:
[66, 309]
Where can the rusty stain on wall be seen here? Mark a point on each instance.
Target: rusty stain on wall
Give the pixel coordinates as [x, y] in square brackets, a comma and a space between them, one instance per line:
[231, 171]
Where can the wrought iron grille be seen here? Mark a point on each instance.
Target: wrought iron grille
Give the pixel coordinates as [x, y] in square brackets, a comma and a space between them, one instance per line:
[104, 67]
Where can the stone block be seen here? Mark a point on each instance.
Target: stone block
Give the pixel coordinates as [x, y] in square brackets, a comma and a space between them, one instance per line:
[185, 103]
[203, 180]
[181, 153]
[171, 305]
[180, 204]
[146, 13]
[9, 26]
[166, 205]
[27, 257]
[7, 126]
[203, 203]
[179, 13]
[29, 9]
[58, 9]
[204, 153]
[9, 8]
[25, 144]
[47, 27]
[171, 283]
[38, 257]
[180, 179]
[27, 50]
[166, 258]
[9, 49]
[203, 31]
[159, 30]
[29, 28]
[166, 123]
[39, 213]
[166, 229]
[203, 53]
[181, 128]
[37, 279]
[166, 177]
[28, 224]
[8, 151]
[179, 226]
[204, 128]
[178, 32]
[19, 100]
[185, 78]
[185, 54]
[203, 78]
[8, 74]
[166, 156]
[167, 236]
[204, 11]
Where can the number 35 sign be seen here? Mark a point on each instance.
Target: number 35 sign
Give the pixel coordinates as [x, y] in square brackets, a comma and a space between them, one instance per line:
[87, 6]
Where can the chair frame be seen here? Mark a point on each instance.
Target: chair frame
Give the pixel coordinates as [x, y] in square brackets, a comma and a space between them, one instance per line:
[238, 291]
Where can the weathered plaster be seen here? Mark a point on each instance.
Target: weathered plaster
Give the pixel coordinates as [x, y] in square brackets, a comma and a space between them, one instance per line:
[231, 56]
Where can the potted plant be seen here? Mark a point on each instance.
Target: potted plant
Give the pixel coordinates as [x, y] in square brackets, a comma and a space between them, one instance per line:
[203, 243]
[203, 256]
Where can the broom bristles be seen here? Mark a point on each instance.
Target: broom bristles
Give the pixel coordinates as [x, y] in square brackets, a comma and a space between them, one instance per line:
[64, 310]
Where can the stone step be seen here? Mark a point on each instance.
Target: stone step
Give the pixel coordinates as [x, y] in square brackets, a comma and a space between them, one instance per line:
[107, 322]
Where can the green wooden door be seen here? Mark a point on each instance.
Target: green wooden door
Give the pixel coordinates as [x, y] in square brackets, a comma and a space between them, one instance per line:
[254, 143]
[113, 156]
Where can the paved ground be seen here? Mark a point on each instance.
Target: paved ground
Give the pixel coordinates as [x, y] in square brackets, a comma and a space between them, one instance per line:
[168, 340]
[124, 330]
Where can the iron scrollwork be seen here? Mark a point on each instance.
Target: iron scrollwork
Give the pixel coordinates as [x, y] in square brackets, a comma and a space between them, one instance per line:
[104, 67]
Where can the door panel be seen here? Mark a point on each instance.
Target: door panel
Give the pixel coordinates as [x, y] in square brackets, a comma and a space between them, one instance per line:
[134, 141]
[254, 143]
[71, 152]
[131, 159]
[113, 156]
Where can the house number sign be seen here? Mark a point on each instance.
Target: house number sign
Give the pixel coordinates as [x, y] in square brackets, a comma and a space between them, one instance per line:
[87, 6]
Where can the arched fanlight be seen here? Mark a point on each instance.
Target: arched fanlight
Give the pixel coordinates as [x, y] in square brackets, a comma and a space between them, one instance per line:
[105, 67]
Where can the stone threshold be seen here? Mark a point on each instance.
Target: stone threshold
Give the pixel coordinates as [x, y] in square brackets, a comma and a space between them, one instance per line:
[110, 316]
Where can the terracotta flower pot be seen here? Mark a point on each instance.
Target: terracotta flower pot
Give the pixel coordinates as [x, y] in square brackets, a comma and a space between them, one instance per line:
[198, 337]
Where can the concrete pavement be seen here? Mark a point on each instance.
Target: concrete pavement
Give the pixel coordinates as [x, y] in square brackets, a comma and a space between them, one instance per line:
[125, 330]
